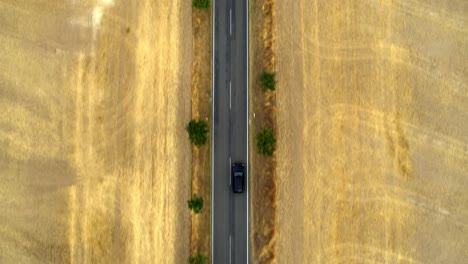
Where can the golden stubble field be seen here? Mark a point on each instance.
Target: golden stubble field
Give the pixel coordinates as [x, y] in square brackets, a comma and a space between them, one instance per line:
[373, 131]
[94, 159]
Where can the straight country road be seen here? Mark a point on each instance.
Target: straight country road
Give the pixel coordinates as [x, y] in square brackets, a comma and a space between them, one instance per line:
[230, 130]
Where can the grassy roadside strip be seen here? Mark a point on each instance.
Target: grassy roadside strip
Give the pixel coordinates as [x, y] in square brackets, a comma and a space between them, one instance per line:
[200, 240]
[262, 114]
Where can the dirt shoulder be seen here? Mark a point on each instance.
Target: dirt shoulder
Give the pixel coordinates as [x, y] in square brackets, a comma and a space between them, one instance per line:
[262, 114]
[201, 109]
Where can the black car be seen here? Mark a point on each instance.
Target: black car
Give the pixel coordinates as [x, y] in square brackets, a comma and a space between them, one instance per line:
[237, 174]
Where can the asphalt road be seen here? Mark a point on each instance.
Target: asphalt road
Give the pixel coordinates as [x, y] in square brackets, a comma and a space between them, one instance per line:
[230, 123]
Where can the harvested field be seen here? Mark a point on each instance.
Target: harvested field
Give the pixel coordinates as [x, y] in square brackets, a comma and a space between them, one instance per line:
[373, 131]
[94, 158]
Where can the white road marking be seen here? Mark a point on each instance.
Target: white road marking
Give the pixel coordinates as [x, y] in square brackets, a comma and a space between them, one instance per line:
[230, 22]
[230, 249]
[229, 94]
[230, 178]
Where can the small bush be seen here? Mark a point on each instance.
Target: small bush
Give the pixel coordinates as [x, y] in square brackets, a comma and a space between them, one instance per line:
[266, 142]
[195, 204]
[201, 4]
[197, 259]
[197, 130]
[267, 80]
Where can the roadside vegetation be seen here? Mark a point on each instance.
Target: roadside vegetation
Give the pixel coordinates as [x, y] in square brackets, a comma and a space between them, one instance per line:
[267, 81]
[201, 4]
[199, 258]
[266, 142]
[197, 130]
[195, 204]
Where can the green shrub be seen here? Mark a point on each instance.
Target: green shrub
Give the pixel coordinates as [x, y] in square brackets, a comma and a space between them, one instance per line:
[201, 4]
[197, 130]
[195, 204]
[267, 80]
[266, 142]
[197, 259]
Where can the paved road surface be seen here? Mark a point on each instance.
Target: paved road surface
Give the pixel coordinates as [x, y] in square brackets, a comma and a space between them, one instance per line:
[230, 211]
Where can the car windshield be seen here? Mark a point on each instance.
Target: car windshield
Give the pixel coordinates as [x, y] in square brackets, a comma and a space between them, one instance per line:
[238, 174]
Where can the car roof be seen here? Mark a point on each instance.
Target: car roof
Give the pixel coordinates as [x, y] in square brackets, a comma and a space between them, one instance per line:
[238, 183]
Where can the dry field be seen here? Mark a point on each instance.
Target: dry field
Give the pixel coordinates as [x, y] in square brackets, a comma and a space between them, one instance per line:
[373, 131]
[94, 159]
